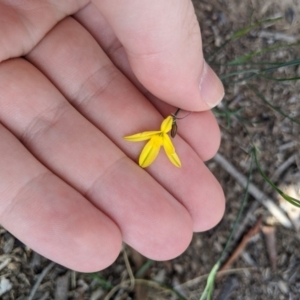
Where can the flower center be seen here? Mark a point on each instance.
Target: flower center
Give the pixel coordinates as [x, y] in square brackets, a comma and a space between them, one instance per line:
[157, 140]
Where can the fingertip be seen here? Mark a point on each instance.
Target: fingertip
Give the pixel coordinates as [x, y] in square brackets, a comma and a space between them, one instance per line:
[173, 244]
[96, 254]
[211, 139]
[212, 209]
[169, 236]
[211, 87]
[164, 48]
[201, 131]
[200, 192]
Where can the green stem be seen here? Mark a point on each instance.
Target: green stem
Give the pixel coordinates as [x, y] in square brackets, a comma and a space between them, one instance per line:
[177, 112]
[208, 291]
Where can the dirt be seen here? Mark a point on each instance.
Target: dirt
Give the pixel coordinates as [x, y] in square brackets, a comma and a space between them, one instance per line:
[268, 267]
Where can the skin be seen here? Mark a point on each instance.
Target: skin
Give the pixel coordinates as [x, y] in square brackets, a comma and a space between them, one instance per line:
[77, 76]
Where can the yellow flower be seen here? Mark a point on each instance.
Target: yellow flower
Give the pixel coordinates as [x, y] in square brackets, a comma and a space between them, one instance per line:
[157, 139]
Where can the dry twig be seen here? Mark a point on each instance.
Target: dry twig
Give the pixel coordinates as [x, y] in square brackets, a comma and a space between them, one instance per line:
[239, 249]
[254, 191]
[269, 234]
[285, 165]
[128, 267]
[39, 280]
[149, 283]
[195, 281]
[5, 263]
[230, 285]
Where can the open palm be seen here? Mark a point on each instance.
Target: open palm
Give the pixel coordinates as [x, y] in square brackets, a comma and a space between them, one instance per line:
[75, 78]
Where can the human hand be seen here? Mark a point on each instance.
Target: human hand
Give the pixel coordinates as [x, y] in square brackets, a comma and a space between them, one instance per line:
[71, 89]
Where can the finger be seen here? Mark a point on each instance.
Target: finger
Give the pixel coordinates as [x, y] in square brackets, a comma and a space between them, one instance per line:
[49, 216]
[199, 129]
[80, 154]
[101, 93]
[202, 125]
[24, 23]
[92, 19]
[163, 44]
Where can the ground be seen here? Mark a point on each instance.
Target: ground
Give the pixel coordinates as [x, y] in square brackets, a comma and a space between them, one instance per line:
[268, 263]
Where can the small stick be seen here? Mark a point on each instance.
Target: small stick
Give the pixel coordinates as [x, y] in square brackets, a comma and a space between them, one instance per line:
[230, 285]
[239, 249]
[254, 191]
[128, 267]
[5, 263]
[269, 233]
[39, 280]
[176, 112]
[285, 165]
[277, 36]
[245, 221]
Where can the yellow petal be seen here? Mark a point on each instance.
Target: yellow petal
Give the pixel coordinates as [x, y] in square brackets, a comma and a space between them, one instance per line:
[150, 151]
[168, 145]
[170, 151]
[166, 125]
[143, 136]
[174, 159]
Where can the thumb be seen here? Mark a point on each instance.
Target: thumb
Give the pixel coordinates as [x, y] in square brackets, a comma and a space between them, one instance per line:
[163, 43]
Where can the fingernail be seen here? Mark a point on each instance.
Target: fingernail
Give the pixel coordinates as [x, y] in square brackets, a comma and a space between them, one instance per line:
[211, 87]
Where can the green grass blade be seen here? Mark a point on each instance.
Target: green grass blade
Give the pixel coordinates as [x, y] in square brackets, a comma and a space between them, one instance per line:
[245, 30]
[293, 62]
[277, 109]
[246, 57]
[280, 79]
[227, 114]
[104, 283]
[293, 201]
[252, 71]
[208, 290]
[257, 72]
[240, 33]
[144, 268]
